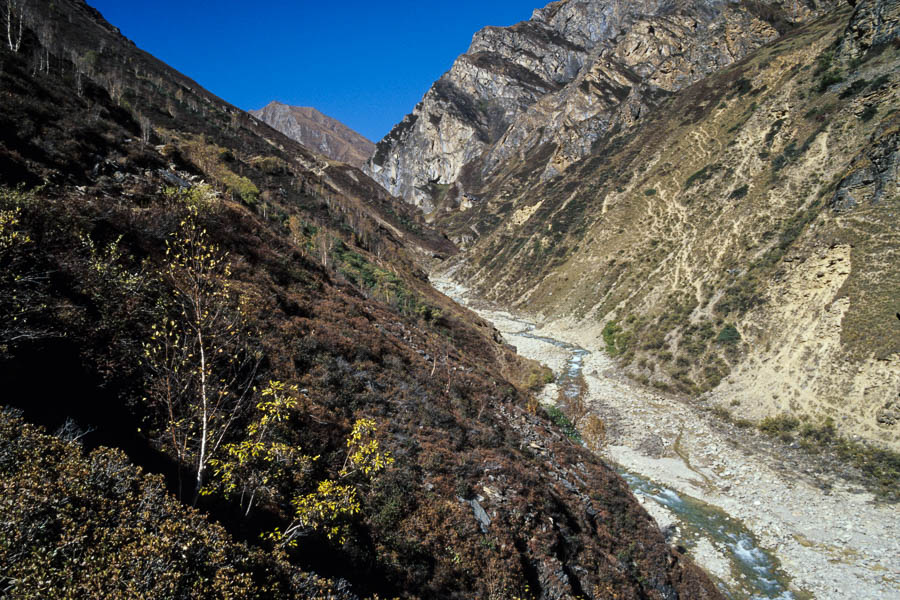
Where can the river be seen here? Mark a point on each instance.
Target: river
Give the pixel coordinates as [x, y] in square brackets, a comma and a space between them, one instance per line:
[756, 574]
[759, 535]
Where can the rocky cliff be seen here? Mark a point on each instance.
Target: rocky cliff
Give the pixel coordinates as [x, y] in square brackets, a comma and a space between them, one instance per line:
[739, 239]
[317, 132]
[546, 90]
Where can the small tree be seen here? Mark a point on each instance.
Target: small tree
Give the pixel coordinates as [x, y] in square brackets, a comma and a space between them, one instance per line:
[594, 433]
[22, 296]
[198, 356]
[254, 468]
[328, 508]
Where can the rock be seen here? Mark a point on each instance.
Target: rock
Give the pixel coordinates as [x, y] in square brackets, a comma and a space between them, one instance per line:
[484, 521]
[548, 88]
[889, 414]
[317, 132]
[874, 23]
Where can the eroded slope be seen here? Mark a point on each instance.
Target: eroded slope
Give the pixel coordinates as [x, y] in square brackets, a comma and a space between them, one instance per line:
[742, 238]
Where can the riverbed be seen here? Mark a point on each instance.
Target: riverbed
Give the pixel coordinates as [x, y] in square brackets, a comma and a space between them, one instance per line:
[758, 531]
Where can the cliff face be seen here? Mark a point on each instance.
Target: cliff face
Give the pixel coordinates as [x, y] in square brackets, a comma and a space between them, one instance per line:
[547, 89]
[739, 239]
[317, 132]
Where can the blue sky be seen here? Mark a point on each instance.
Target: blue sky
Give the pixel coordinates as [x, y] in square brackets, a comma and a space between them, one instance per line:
[365, 63]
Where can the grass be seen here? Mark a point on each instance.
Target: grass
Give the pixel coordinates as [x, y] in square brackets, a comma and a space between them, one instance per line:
[562, 421]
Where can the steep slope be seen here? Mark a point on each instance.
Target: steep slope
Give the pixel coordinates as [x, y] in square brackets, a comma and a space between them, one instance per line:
[547, 89]
[741, 238]
[319, 132]
[279, 307]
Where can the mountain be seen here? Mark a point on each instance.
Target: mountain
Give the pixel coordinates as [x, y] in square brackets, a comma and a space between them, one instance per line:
[736, 237]
[252, 389]
[546, 90]
[318, 132]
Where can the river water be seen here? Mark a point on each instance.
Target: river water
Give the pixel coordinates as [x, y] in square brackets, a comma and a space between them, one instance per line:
[755, 573]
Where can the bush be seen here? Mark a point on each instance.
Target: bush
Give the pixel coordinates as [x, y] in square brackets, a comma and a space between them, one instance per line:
[829, 79]
[562, 421]
[614, 338]
[700, 176]
[854, 88]
[739, 192]
[729, 335]
[779, 424]
[74, 526]
[868, 113]
[241, 187]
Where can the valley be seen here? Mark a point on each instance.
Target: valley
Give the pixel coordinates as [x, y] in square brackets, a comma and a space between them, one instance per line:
[832, 538]
[610, 314]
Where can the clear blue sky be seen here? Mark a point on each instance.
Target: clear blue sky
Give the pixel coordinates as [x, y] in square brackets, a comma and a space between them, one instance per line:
[364, 62]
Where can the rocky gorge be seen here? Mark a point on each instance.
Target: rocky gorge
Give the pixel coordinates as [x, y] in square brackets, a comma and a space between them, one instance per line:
[549, 88]
[714, 193]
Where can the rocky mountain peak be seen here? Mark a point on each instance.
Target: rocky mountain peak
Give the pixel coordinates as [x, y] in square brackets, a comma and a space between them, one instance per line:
[550, 87]
[317, 132]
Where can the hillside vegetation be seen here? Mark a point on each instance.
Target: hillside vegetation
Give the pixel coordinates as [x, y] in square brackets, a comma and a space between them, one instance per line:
[291, 410]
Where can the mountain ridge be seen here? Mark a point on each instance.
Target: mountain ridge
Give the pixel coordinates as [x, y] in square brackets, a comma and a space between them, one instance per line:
[550, 87]
[317, 131]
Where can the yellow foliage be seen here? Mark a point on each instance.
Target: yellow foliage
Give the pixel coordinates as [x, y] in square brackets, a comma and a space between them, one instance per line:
[364, 452]
[328, 509]
[201, 196]
[253, 467]
[10, 236]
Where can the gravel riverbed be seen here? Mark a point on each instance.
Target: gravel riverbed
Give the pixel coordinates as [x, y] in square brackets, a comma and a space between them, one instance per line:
[834, 541]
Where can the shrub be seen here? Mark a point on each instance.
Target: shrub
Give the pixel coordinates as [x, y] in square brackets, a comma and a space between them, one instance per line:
[700, 176]
[739, 192]
[612, 336]
[868, 113]
[729, 335]
[241, 187]
[270, 165]
[854, 88]
[779, 424]
[74, 526]
[829, 79]
[562, 421]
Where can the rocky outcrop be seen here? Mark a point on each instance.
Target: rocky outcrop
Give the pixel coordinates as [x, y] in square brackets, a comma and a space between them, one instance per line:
[317, 132]
[545, 90]
[874, 24]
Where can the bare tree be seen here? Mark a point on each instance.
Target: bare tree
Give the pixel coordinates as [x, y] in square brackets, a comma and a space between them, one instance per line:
[146, 128]
[15, 23]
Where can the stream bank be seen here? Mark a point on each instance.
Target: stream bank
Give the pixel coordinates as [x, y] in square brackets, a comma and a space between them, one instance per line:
[831, 544]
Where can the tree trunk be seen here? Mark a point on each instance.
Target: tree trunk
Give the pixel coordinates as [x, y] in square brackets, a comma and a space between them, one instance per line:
[201, 463]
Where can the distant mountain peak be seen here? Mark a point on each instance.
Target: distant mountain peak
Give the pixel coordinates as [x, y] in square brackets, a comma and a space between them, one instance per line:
[317, 131]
